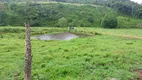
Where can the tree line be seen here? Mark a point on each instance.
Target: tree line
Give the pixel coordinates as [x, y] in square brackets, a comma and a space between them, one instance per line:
[58, 15]
[126, 7]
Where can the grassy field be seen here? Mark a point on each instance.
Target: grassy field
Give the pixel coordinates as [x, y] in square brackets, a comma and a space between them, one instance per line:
[130, 33]
[107, 54]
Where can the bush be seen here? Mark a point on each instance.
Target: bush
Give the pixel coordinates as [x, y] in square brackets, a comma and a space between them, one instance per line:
[91, 20]
[12, 30]
[109, 21]
[3, 17]
[62, 22]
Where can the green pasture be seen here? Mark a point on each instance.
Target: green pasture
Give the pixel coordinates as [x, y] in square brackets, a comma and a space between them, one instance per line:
[104, 55]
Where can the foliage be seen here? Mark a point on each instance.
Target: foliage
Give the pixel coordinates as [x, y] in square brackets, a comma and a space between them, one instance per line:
[50, 14]
[11, 30]
[109, 21]
[125, 22]
[76, 1]
[91, 20]
[62, 22]
[77, 15]
[139, 13]
[126, 7]
[3, 18]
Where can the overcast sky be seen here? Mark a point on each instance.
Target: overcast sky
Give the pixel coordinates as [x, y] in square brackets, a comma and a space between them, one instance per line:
[138, 1]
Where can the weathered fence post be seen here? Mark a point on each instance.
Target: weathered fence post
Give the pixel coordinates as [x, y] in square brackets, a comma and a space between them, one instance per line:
[28, 56]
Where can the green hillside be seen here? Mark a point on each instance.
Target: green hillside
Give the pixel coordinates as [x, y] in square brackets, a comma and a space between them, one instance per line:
[62, 15]
[53, 14]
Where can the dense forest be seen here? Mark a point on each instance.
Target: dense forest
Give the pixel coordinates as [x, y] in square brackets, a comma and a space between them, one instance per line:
[84, 13]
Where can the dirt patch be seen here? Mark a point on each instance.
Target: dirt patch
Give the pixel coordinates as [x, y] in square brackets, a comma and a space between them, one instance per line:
[139, 73]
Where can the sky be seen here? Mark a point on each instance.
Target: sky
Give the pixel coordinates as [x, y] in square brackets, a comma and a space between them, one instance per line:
[138, 1]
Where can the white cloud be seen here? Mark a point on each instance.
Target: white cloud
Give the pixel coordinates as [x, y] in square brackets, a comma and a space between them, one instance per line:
[137, 1]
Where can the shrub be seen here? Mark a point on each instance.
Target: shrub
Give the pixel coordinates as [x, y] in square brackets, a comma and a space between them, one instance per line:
[12, 30]
[3, 17]
[109, 21]
[62, 22]
[91, 20]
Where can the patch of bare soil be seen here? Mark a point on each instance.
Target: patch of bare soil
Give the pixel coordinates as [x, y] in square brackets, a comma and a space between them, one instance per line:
[139, 73]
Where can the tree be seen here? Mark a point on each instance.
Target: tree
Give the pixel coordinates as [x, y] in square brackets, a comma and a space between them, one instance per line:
[109, 21]
[3, 17]
[62, 22]
[139, 13]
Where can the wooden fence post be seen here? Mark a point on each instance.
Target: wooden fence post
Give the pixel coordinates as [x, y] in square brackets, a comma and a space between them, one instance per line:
[28, 56]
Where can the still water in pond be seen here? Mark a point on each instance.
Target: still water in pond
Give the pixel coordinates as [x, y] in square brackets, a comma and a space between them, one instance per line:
[58, 36]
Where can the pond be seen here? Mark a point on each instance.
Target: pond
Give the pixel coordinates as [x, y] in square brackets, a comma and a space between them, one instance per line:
[57, 36]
